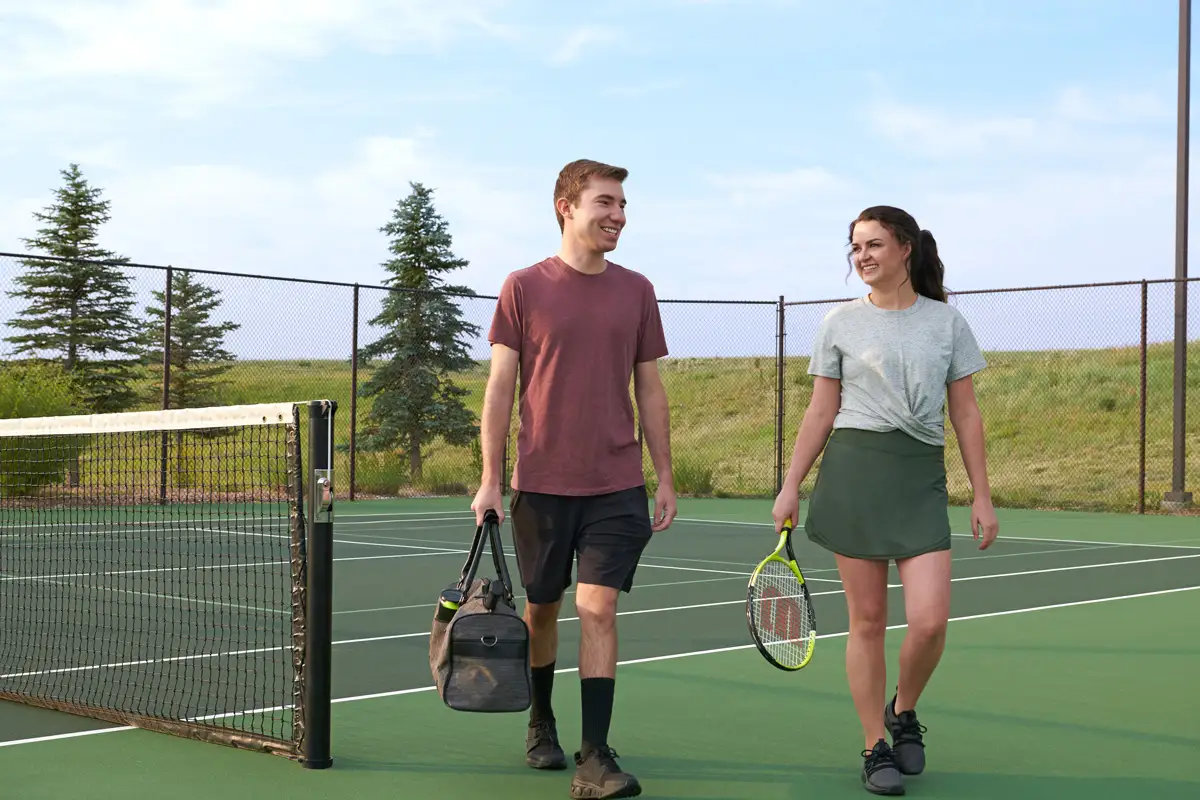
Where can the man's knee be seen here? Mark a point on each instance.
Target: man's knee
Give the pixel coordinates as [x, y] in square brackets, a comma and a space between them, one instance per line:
[540, 616]
[597, 606]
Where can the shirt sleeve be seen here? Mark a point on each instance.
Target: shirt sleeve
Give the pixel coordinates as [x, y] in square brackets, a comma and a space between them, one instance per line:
[966, 358]
[826, 360]
[507, 324]
[652, 340]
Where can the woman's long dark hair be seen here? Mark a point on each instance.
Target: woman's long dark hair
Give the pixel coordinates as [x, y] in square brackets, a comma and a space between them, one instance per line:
[925, 269]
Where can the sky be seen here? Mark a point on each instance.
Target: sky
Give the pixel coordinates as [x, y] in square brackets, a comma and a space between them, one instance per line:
[1034, 138]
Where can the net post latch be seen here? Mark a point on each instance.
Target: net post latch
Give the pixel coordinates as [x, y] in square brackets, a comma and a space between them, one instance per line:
[322, 495]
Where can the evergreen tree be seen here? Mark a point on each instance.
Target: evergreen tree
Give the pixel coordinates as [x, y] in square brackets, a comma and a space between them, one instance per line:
[414, 399]
[198, 354]
[79, 309]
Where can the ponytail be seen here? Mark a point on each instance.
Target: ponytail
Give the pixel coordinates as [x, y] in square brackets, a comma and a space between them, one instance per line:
[926, 269]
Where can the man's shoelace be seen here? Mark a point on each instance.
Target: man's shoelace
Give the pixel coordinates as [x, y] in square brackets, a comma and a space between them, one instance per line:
[607, 758]
[543, 733]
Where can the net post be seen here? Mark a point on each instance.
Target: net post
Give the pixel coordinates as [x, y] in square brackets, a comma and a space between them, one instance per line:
[319, 593]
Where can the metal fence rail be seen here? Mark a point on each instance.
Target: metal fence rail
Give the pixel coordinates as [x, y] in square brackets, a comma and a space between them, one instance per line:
[1082, 399]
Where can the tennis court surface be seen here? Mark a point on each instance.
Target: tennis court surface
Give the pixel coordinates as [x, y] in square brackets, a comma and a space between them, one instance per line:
[1069, 673]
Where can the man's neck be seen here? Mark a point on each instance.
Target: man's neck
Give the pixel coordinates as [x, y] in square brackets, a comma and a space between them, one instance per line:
[581, 259]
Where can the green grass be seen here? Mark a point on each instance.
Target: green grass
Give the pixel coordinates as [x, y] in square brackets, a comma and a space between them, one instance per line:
[1062, 427]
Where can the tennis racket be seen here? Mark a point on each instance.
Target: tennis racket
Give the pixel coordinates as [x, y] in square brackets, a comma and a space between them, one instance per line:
[779, 608]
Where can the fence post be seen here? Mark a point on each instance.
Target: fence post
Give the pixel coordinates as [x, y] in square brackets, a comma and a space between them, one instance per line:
[1142, 401]
[781, 332]
[353, 392]
[166, 387]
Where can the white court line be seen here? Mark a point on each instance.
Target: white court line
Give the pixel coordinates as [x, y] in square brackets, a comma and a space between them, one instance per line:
[248, 565]
[523, 597]
[425, 633]
[408, 523]
[654, 659]
[1089, 541]
[336, 540]
[969, 536]
[468, 513]
[745, 573]
[161, 596]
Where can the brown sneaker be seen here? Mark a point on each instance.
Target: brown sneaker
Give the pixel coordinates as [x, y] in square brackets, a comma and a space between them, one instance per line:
[542, 750]
[598, 776]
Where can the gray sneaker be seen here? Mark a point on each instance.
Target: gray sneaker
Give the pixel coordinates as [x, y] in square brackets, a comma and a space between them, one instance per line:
[879, 775]
[907, 739]
[598, 776]
[542, 750]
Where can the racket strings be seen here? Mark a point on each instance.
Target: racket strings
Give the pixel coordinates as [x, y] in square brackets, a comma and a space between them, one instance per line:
[780, 613]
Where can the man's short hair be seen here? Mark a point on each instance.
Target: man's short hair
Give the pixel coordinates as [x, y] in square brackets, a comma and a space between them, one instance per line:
[573, 179]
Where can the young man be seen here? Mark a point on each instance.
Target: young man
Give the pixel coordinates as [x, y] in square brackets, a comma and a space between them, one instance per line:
[578, 327]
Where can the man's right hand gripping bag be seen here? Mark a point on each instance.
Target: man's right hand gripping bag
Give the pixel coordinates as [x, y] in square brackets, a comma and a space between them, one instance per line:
[479, 645]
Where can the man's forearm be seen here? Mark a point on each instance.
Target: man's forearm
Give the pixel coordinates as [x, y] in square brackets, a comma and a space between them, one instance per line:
[655, 414]
[493, 429]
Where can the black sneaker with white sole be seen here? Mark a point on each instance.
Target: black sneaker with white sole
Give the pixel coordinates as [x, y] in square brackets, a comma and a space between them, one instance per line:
[598, 776]
[542, 750]
[879, 774]
[908, 742]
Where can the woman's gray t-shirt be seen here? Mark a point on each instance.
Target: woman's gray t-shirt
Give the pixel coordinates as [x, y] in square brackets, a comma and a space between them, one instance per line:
[895, 365]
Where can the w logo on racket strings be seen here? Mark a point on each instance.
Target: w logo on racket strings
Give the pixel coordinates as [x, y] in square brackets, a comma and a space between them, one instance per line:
[781, 615]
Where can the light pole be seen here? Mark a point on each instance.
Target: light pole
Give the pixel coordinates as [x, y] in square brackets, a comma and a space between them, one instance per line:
[1178, 497]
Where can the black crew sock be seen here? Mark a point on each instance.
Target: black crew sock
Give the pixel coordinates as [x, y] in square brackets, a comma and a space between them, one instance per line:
[543, 687]
[596, 695]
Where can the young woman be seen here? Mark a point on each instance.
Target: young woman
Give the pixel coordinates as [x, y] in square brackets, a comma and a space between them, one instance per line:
[884, 367]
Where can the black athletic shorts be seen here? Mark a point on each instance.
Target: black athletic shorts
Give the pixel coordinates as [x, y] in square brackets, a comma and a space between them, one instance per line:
[606, 533]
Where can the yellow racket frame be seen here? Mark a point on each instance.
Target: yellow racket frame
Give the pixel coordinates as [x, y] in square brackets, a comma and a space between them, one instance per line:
[785, 543]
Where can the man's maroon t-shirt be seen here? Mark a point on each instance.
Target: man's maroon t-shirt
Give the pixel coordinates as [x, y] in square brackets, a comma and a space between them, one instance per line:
[578, 337]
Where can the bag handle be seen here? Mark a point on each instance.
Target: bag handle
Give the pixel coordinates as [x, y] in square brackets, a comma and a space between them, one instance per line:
[472, 562]
[491, 525]
[498, 558]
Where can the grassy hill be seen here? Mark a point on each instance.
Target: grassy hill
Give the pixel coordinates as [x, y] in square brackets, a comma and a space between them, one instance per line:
[1063, 427]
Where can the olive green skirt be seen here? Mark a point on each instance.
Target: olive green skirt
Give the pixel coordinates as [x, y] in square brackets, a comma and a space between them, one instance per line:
[879, 496]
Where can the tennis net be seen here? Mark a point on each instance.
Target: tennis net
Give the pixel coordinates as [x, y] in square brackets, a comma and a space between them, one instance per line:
[158, 569]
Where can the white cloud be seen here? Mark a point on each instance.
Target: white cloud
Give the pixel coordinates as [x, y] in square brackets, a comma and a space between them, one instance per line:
[324, 224]
[945, 135]
[580, 41]
[1074, 122]
[768, 188]
[215, 49]
[1075, 104]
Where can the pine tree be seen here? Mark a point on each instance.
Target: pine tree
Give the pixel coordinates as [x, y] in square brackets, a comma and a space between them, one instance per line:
[414, 399]
[76, 308]
[198, 354]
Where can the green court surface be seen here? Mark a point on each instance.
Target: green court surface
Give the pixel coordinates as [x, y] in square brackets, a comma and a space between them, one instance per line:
[1069, 673]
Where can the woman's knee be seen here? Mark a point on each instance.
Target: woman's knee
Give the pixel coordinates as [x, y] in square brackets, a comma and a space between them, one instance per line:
[865, 585]
[928, 627]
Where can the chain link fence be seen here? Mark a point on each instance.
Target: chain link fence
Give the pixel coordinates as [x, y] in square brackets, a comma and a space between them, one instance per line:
[1079, 400]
